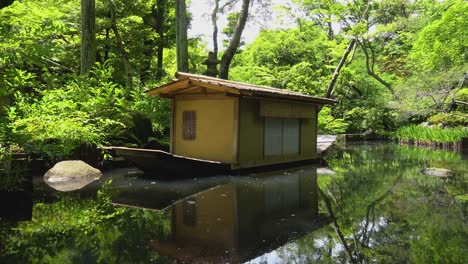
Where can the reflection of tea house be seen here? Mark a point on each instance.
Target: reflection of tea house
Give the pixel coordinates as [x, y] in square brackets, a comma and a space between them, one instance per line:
[240, 124]
[240, 214]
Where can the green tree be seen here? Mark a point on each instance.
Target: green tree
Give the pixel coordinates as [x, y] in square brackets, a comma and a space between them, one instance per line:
[234, 41]
[442, 44]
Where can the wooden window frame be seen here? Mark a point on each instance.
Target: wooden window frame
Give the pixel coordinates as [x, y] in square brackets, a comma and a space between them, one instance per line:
[282, 139]
[189, 125]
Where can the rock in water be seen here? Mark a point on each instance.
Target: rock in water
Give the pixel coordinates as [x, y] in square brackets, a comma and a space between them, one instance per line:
[437, 172]
[71, 175]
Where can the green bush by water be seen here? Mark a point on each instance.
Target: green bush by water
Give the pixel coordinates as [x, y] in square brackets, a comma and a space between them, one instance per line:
[431, 134]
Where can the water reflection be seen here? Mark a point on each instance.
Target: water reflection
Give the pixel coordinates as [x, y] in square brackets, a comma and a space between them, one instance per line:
[383, 210]
[16, 201]
[242, 219]
[379, 208]
[67, 184]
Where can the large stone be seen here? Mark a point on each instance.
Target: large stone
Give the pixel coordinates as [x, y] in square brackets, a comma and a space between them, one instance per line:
[71, 175]
[437, 172]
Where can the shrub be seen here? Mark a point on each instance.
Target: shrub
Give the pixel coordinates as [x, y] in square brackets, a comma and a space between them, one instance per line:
[431, 134]
[453, 119]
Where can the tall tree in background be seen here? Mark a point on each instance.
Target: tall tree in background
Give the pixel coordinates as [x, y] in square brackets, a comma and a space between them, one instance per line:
[120, 45]
[160, 30]
[235, 40]
[160, 22]
[214, 21]
[88, 35]
[219, 8]
[181, 36]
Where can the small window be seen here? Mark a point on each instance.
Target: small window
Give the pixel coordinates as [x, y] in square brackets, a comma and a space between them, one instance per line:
[189, 125]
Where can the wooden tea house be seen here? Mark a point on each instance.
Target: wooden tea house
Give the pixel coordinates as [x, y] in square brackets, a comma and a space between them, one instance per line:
[238, 124]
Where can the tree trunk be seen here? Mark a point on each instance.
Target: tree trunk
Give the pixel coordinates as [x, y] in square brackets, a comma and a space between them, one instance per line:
[145, 71]
[181, 36]
[331, 86]
[330, 33]
[159, 30]
[214, 21]
[234, 42]
[120, 47]
[88, 35]
[107, 45]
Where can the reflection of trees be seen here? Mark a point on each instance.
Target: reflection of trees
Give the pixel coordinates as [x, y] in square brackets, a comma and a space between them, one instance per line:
[383, 210]
[359, 240]
[336, 226]
[76, 230]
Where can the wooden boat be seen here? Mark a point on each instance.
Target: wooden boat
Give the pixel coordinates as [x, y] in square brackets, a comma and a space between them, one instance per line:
[164, 165]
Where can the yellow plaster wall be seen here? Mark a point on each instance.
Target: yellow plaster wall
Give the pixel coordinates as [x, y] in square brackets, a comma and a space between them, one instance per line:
[216, 123]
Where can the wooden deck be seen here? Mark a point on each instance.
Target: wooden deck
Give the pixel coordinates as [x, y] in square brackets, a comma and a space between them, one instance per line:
[324, 142]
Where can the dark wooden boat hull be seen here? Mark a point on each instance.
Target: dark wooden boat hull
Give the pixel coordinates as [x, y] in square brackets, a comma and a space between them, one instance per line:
[164, 165]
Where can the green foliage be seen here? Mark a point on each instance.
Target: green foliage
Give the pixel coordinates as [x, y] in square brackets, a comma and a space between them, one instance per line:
[37, 34]
[431, 134]
[442, 44]
[85, 110]
[452, 119]
[327, 124]
[290, 59]
[46, 108]
[88, 109]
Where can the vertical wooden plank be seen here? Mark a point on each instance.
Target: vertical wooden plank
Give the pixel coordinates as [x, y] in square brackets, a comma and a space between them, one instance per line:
[173, 126]
[235, 146]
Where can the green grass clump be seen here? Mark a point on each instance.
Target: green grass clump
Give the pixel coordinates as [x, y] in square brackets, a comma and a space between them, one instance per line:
[431, 134]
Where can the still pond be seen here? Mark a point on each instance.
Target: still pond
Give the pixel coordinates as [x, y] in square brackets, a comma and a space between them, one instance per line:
[373, 206]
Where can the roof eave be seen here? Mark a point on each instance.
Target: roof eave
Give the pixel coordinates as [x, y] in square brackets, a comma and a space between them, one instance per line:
[293, 98]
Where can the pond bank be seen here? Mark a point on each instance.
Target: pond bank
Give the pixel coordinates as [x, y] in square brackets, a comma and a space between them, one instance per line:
[461, 146]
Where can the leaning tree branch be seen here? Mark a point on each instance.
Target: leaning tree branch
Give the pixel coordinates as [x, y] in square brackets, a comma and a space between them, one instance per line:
[234, 42]
[331, 86]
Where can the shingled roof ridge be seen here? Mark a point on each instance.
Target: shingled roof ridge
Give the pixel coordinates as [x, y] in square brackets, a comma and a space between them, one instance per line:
[185, 75]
